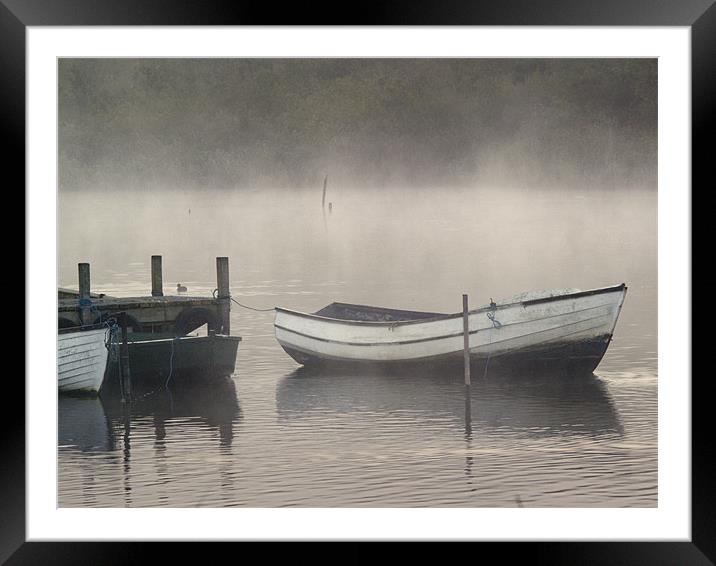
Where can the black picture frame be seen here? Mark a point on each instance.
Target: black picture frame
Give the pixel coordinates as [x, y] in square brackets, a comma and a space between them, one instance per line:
[699, 15]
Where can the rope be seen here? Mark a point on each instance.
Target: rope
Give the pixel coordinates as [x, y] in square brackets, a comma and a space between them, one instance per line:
[495, 324]
[171, 366]
[166, 383]
[251, 308]
[215, 291]
[109, 340]
[487, 364]
[109, 334]
[148, 393]
[113, 352]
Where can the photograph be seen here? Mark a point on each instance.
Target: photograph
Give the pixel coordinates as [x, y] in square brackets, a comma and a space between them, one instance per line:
[357, 282]
[428, 280]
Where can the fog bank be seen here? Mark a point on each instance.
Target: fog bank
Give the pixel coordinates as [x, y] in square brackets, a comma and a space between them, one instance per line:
[152, 124]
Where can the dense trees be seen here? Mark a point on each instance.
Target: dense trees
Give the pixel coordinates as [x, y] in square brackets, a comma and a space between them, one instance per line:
[287, 122]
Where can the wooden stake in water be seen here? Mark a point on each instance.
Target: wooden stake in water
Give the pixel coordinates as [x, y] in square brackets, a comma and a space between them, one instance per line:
[125, 375]
[466, 339]
[323, 201]
[468, 413]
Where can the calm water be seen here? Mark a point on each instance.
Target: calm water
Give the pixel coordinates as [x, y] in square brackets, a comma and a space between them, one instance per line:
[275, 435]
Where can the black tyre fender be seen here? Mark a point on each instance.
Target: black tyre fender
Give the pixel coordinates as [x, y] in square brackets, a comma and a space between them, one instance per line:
[194, 317]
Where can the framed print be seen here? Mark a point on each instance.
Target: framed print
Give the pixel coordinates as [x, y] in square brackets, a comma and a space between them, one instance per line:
[301, 209]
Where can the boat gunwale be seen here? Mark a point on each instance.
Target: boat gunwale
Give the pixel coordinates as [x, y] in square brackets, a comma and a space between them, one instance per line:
[180, 338]
[81, 329]
[590, 292]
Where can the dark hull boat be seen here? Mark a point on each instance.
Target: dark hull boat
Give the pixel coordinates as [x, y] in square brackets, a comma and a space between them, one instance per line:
[187, 358]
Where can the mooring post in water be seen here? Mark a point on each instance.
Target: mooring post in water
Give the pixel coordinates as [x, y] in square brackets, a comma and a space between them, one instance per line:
[222, 284]
[323, 200]
[157, 289]
[83, 270]
[466, 339]
[124, 372]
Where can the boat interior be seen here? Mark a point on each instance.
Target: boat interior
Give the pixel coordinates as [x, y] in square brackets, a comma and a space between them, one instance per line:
[344, 311]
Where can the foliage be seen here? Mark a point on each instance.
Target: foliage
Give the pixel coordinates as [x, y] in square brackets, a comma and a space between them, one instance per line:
[423, 122]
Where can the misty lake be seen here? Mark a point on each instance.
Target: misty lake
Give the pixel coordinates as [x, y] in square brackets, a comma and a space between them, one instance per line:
[275, 435]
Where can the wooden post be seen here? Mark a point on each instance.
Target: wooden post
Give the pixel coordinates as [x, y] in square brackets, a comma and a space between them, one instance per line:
[83, 270]
[125, 375]
[222, 283]
[323, 200]
[468, 412]
[84, 273]
[157, 290]
[466, 340]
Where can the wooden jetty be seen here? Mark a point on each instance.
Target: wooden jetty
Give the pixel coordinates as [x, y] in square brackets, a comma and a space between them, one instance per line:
[155, 328]
[175, 314]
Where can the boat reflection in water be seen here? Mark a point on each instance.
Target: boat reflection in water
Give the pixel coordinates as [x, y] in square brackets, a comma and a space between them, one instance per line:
[150, 447]
[533, 405]
[105, 423]
[215, 403]
[83, 424]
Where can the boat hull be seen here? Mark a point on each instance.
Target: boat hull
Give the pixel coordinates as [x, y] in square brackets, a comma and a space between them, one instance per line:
[81, 360]
[570, 332]
[569, 358]
[185, 357]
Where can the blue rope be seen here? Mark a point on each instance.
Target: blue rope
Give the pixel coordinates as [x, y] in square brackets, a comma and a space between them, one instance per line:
[495, 324]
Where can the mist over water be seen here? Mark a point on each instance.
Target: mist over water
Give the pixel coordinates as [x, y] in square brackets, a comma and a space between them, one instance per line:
[412, 249]
[275, 436]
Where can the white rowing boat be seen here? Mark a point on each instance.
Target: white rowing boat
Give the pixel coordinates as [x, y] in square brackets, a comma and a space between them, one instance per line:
[81, 359]
[567, 328]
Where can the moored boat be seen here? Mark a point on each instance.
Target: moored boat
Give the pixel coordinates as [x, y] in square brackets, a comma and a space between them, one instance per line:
[540, 330]
[155, 356]
[81, 359]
